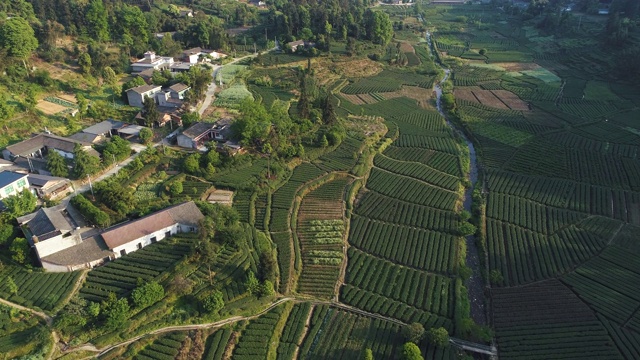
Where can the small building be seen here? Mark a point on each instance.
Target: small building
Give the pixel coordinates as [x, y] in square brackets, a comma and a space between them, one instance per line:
[194, 55]
[179, 67]
[40, 145]
[137, 94]
[178, 90]
[50, 230]
[196, 135]
[151, 61]
[134, 235]
[186, 13]
[12, 183]
[50, 187]
[165, 100]
[99, 132]
[62, 240]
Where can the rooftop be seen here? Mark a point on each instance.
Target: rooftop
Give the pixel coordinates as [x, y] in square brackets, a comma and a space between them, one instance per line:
[30, 146]
[198, 129]
[48, 222]
[179, 87]
[9, 177]
[185, 213]
[103, 127]
[44, 180]
[145, 88]
[91, 249]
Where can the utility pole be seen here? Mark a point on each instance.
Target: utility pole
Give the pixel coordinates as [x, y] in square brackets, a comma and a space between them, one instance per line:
[114, 159]
[90, 186]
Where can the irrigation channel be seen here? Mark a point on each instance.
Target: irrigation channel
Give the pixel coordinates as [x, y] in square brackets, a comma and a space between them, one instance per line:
[474, 285]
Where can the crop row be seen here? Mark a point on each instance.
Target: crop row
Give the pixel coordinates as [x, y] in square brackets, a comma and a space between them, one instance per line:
[421, 249]
[530, 215]
[444, 144]
[431, 121]
[523, 256]
[255, 337]
[216, 344]
[377, 207]
[44, 290]
[418, 171]
[424, 291]
[410, 190]
[285, 253]
[344, 157]
[372, 302]
[242, 175]
[164, 348]
[444, 162]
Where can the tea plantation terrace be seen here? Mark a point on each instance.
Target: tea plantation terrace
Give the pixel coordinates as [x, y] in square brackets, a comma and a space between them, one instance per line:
[64, 242]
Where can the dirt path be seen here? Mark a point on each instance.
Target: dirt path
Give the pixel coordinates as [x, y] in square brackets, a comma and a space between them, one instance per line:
[48, 319]
[217, 324]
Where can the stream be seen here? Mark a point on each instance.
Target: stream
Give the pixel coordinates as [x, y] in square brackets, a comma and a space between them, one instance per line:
[475, 285]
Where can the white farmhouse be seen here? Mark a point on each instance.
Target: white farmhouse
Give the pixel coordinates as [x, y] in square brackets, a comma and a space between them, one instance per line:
[137, 94]
[151, 61]
[129, 237]
[11, 183]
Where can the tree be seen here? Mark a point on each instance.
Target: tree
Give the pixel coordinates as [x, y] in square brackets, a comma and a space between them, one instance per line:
[56, 164]
[85, 164]
[482, 52]
[150, 111]
[96, 17]
[368, 355]
[304, 104]
[192, 164]
[328, 111]
[176, 188]
[6, 232]
[13, 287]
[115, 311]
[252, 284]
[438, 337]
[21, 203]
[267, 289]
[213, 302]
[323, 141]
[18, 38]
[109, 76]
[254, 123]
[146, 135]
[147, 294]
[448, 101]
[466, 229]
[410, 351]
[84, 61]
[180, 285]
[190, 118]
[413, 332]
[19, 250]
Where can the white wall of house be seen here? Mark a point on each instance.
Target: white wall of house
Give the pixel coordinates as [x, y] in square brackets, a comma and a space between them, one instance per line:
[56, 244]
[137, 244]
[64, 154]
[186, 142]
[51, 267]
[14, 188]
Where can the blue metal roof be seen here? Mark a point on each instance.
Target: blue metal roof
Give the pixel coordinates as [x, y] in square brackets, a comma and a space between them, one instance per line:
[9, 177]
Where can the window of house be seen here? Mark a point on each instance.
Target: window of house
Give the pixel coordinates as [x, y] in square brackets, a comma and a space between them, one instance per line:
[123, 252]
[22, 182]
[168, 233]
[8, 190]
[153, 240]
[139, 246]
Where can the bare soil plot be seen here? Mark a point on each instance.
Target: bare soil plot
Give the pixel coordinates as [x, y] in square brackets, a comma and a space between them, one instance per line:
[354, 99]
[514, 66]
[511, 100]
[368, 99]
[68, 97]
[486, 97]
[406, 47]
[465, 94]
[50, 108]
